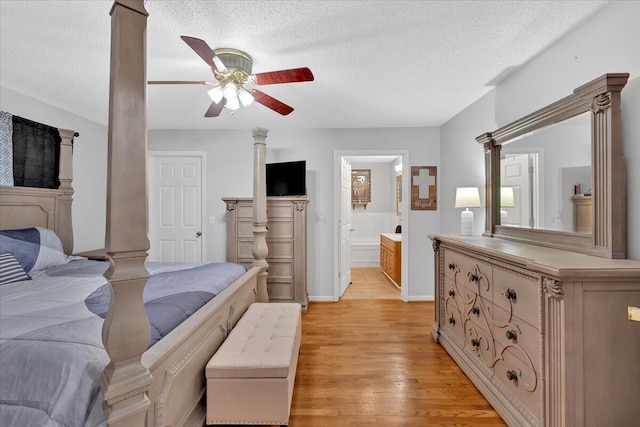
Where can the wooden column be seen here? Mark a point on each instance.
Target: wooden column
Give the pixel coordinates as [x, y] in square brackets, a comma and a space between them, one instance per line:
[125, 381]
[260, 249]
[65, 174]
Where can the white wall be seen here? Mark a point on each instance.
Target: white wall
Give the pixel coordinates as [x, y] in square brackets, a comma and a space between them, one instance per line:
[89, 165]
[229, 164]
[586, 53]
[378, 216]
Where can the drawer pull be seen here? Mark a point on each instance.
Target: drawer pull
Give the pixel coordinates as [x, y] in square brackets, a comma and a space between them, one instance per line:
[511, 335]
[452, 266]
[475, 310]
[512, 376]
[475, 342]
[452, 293]
[452, 320]
[473, 277]
[510, 294]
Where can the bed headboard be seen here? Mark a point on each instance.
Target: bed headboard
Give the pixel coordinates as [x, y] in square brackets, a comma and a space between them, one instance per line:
[23, 207]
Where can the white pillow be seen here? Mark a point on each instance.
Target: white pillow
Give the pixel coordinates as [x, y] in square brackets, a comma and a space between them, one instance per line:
[51, 252]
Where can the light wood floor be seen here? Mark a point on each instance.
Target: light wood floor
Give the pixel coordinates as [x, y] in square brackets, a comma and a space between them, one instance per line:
[370, 283]
[373, 362]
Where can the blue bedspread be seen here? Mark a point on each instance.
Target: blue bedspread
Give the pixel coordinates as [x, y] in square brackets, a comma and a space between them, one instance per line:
[170, 297]
[51, 352]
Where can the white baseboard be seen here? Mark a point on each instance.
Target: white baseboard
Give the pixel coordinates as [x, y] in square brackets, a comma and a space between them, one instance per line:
[421, 298]
[321, 298]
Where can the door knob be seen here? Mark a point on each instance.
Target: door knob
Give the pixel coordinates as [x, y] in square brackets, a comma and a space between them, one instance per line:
[199, 233]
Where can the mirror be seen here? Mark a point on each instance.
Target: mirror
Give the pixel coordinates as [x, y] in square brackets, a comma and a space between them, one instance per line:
[545, 174]
[556, 177]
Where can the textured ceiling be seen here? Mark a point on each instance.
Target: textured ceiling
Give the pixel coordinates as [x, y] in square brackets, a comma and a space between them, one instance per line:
[376, 63]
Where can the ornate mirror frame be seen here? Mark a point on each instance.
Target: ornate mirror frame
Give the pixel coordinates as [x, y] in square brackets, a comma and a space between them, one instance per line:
[608, 238]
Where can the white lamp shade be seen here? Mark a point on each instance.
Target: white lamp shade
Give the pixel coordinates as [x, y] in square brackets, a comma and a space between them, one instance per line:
[467, 197]
[216, 93]
[245, 97]
[507, 199]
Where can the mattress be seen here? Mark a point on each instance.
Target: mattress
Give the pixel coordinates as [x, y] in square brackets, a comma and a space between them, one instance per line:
[51, 351]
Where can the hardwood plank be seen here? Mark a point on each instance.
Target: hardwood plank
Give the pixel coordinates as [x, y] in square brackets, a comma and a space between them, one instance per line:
[373, 362]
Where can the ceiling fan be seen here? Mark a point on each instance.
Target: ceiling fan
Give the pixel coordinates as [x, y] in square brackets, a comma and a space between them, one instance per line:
[235, 83]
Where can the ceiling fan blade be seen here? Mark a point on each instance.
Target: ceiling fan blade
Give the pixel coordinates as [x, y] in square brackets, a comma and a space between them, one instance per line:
[270, 102]
[215, 109]
[202, 49]
[284, 76]
[178, 82]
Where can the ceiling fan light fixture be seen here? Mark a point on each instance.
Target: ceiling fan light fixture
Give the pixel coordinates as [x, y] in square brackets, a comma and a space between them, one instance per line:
[216, 93]
[233, 103]
[245, 97]
[231, 91]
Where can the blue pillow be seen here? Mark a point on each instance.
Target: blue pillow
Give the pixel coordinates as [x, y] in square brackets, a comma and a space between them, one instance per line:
[10, 270]
[35, 249]
[23, 244]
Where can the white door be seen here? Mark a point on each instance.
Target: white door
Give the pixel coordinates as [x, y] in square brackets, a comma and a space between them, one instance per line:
[344, 257]
[516, 172]
[175, 208]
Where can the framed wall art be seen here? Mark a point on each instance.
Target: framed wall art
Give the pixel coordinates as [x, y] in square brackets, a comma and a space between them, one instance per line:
[360, 187]
[424, 190]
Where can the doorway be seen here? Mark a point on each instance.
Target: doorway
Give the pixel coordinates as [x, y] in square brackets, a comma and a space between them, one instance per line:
[398, 200]
[175, 187]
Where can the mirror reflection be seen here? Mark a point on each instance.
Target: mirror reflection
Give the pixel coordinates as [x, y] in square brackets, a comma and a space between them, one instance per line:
[545, 178]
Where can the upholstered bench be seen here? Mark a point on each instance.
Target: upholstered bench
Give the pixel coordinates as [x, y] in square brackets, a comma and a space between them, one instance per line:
[250, 378]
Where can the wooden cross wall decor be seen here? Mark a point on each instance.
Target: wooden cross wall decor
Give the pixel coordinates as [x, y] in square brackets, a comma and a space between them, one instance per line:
[424, 189]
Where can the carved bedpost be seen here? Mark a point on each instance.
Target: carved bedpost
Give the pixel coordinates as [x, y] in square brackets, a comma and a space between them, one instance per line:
[64, 227]
[125, 333]
[260, 249]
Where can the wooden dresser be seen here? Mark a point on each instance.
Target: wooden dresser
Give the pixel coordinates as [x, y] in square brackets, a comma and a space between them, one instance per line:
[286, 239]
[543, 333]
[391, 256]
[582, 214]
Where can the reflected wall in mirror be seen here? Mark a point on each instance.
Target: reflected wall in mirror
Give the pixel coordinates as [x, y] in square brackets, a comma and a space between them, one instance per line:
[565, 167]
[544, 170]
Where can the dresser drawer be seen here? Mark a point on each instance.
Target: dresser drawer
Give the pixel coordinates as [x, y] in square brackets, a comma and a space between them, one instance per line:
[284, 210]
[523, 339]
[479, 339]
[275, 229]
[452, 318]
[280, 250]
[517, 294]
[280, 289]
[520, 380]
[469, 271]
[280, 269]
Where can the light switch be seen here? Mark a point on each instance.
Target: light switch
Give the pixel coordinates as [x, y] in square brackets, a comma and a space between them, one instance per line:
[212, 219]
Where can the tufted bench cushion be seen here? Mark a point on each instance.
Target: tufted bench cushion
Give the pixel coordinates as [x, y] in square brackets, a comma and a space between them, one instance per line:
[250, 378]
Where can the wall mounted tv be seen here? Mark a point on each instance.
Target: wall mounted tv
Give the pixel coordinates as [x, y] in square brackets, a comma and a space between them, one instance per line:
[286, 179]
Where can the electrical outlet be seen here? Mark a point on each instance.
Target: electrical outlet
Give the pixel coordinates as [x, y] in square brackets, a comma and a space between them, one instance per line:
[212, 219]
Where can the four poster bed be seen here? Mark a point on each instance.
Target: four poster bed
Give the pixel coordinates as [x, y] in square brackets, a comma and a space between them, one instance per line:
[134, 384]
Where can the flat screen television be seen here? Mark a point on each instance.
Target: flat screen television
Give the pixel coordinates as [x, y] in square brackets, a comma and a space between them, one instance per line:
[286, 179]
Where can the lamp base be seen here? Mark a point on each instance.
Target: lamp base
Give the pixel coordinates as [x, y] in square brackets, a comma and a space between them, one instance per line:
[466, 223]
[503, 217]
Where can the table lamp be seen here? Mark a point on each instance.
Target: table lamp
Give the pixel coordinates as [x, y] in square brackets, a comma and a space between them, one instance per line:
[507, 200]
[467, 197]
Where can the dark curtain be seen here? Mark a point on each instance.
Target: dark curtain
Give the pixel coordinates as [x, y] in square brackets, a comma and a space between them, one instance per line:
[36, 154]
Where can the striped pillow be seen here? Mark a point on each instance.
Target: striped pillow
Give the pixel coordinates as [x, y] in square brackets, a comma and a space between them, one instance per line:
[10, 270]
